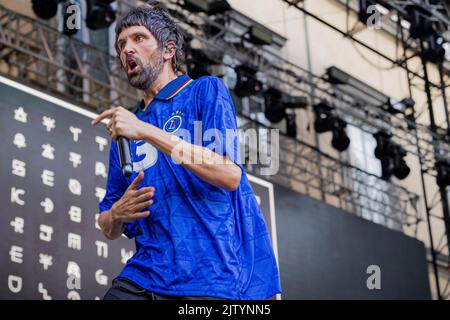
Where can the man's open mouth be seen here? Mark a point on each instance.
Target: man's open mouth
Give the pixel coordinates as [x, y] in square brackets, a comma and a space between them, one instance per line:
[133, 66]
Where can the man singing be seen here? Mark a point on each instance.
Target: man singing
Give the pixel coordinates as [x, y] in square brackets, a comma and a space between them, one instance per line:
[198, 229]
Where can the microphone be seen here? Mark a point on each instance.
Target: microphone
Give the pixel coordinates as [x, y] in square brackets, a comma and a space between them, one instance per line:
[126, 162]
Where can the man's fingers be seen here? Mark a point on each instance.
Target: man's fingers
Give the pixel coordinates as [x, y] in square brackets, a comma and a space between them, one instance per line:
[136, 216]
[144, 197]
[143, 190]
[104, 115]
[141, 206]
[137, 181]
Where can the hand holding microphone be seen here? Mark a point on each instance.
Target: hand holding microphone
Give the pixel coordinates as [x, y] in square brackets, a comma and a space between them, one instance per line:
[123, 125]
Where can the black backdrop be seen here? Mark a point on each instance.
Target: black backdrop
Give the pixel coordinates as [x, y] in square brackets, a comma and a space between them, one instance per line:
[325, 252]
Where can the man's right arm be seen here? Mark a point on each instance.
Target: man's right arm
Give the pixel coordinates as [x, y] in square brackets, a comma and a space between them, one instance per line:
[127, 209]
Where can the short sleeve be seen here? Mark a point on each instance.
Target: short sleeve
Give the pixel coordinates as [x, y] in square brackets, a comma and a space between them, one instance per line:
[218, 118]
[115, 188]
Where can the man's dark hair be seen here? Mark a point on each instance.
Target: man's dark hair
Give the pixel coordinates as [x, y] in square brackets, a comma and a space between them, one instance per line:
[161, 25]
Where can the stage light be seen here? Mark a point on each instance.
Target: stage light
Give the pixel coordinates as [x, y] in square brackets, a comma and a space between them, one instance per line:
[259, 36]
[210, 7]
[340, 140]
[434, 50]
[400, 168]
[45, 9]
[274, 110]
[323, 117]
[196, 5]
[197, 63]
[277, 103]
[219, 7]
[99, 15]
[420, 20]
[291, 125]
[325, 121]
[443, 173]
[391, 157]
[247, 83]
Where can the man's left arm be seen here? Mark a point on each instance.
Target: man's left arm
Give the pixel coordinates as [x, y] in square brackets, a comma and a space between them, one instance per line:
[208, 165]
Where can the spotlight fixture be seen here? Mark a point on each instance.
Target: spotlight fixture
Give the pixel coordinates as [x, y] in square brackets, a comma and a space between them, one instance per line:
[247, 83]
[291, 125]
[325, 121]
[391, 157]
[197, 63]
[274, 111]
[434, 50]
[210, 7]
[219, 7]
[45, 9]
[99, 15]
[340, 140]
[420, 20]
[277, 102]
[443, 173]
[324, 118]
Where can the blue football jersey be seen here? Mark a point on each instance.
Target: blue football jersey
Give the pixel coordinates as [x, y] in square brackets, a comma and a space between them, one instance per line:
[199, 240]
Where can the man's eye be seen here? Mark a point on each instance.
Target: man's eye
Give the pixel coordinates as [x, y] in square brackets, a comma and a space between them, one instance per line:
[139, 38]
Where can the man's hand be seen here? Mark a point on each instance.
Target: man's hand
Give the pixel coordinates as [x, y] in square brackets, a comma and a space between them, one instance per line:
[122, 123]
[129, 207]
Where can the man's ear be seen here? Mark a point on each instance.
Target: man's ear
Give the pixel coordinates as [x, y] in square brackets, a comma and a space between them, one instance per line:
[169, 50]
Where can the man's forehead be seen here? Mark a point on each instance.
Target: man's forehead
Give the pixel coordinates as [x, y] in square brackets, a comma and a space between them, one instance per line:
[131, 30]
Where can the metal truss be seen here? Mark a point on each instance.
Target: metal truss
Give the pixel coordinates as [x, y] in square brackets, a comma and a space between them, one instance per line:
[42, 56]
[306, 169]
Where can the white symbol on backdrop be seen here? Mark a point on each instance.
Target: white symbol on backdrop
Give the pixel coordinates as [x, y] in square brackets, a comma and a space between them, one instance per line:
[75, 131]
[48, 205]
[48, 151]
[44, 292]
[73, 269]
[48, 178]
[18, 224]
[75, 186]
[75, 158]
[100, 169]
[73, 295]
[45, 233]
[126, 255]
[102, 142]
[102, 249]
[100, 193]
[16, 254]
[74, 241]
[20, 115]
[75, 214]
[14, 283]
[48, 123]
[101, 278]
[19, 140]
[46, 260]
[15, 196]
[18, 168]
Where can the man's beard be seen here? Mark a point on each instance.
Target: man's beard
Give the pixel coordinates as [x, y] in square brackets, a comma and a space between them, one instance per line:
[148, 74]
